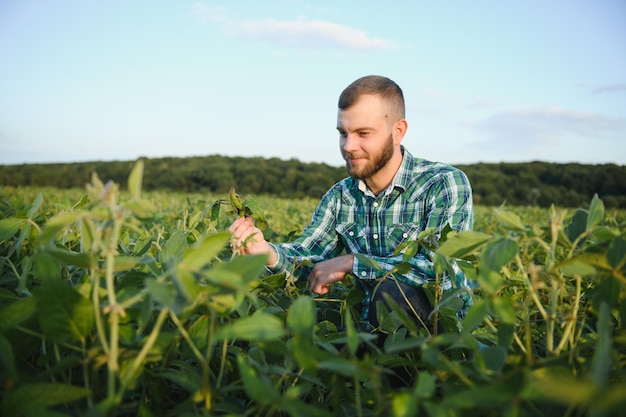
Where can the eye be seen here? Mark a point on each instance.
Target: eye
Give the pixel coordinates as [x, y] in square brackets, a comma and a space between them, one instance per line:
[364, 134]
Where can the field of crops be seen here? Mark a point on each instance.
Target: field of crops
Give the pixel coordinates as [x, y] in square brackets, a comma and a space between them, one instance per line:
[124, 303]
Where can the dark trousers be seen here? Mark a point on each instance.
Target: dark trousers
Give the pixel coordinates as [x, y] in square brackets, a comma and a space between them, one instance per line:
[400, 293]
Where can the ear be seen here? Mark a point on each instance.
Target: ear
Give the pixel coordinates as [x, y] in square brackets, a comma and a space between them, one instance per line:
[399, 130]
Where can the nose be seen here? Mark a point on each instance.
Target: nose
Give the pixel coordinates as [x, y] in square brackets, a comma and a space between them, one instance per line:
[348, 143]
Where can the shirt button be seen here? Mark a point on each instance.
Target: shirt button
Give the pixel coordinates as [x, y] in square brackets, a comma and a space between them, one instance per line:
[363, 273]
[404, 235]
[351, 233]
[375, 203]
[375, 236]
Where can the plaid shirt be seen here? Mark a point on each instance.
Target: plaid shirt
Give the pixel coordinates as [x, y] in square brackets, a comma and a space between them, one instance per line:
[351, 219]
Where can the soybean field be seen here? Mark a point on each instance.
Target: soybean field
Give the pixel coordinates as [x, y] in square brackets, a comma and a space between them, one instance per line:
[115, 301]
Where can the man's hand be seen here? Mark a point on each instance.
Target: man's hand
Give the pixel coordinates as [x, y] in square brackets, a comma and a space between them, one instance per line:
[248, 239]
[328, 272]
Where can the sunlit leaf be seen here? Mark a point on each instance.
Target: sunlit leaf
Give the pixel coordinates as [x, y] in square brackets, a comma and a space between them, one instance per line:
[58, 223]
[8, 227]
[202, 254]
[135, 179]
[463, 243]
[35, 206]
[509, 219]
[403, 404]
[596, 212]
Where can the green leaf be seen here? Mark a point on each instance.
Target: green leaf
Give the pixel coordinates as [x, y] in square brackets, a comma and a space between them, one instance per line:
[510, 219]
[602, 358]
[368, 262]
[339, 365]
[558, 384]
[202, 254]
[596, 212]
[123, 263]
[135, 179]
[57, 223]
[489, 280]
[487, 396]
[401, 268]
[498, 253]
[247, 267]
[403, 404]
[616, 253]
[259, 326]
[504, 309]
[494, 358]
[17, 312]
[258, 388]
[463, 243]
[64, 315]
[301, 316]
[174, 247]
[7, 359]
[353, 337]
[475, 316]
[188, 378]
[577, 266]
[35, 206]
[425, 387]
[28, 399]
[8, 227]
[66, 256]
[577, 225]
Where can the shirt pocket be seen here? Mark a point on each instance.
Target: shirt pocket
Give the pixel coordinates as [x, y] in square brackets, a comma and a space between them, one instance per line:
[353, 237]
[402, 232]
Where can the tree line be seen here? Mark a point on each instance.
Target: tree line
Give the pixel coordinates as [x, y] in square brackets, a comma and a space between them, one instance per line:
[529, 183]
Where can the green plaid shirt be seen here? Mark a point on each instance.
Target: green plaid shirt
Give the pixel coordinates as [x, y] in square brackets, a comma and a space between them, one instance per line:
[351, 219]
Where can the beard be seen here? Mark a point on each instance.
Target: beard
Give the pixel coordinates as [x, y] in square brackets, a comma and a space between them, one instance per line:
[374, 162]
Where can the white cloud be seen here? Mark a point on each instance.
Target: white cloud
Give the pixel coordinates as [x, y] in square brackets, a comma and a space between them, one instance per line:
[311, 33]
[539, 132]
[301, 32]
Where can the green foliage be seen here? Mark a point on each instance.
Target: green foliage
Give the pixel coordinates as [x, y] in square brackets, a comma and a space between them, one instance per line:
[132, 303]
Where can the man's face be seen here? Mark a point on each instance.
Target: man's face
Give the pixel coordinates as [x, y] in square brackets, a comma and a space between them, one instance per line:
[365, 136]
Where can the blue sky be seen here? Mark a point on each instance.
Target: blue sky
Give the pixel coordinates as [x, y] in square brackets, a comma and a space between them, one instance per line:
[484, 80]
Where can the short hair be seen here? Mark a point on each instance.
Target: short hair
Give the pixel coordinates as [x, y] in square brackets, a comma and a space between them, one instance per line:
[377, 85]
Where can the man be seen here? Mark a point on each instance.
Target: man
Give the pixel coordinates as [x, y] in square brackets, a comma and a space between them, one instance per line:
[389, 198]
